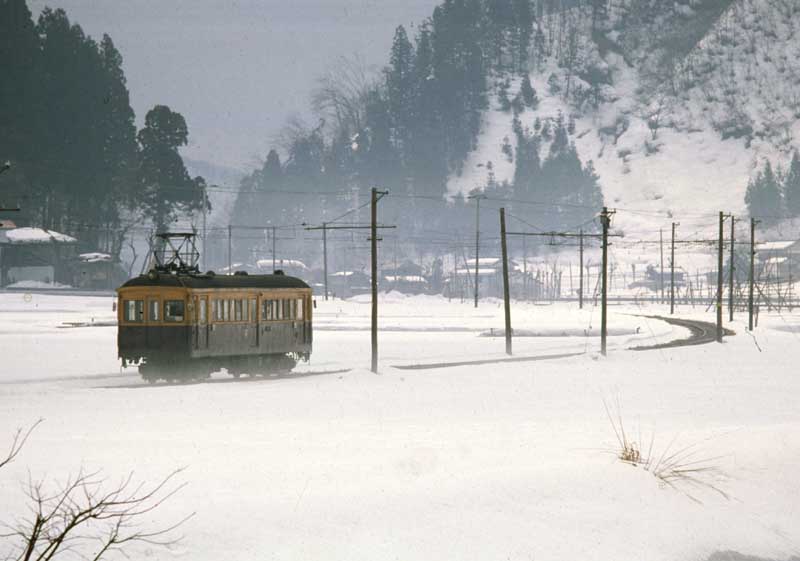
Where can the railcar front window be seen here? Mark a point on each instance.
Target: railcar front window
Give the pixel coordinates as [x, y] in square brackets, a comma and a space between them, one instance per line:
[202, 311]
[173, 310]
[134, 311]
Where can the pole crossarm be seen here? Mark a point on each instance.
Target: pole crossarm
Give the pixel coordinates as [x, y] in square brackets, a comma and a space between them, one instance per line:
[563, 235]
[348, 227]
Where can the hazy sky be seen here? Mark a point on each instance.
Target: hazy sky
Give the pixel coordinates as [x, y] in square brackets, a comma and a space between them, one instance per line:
[236, 69]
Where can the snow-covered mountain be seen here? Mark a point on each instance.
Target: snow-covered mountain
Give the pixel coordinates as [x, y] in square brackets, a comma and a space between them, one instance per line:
[676, 103]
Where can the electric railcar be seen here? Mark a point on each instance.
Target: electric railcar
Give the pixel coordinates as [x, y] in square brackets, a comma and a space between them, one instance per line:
[177, 326]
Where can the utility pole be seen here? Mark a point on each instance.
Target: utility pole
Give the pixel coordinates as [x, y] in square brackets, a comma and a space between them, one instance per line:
[506, 295]
[205, 229]
[730, 273]
[477, 198]
[230, 260]
[605, 220]
[719, 277]
[661, 245]
[273, 249]
[753, 223]
[580, 282]
[672, 273]
[374, 238]
[325, 255]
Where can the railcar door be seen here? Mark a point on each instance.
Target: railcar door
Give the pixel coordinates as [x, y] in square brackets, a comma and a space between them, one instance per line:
[201, 325]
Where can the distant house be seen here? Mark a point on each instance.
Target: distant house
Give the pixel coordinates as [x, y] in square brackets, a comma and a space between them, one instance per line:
[291, 267]
[344, 284]
[97, 271]
[30, 256]
[407, 278]
[777, 261]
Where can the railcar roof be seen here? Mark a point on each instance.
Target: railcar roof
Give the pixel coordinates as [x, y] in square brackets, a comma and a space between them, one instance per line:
[217, 281]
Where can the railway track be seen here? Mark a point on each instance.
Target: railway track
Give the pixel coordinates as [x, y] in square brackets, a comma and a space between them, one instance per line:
[701, 333]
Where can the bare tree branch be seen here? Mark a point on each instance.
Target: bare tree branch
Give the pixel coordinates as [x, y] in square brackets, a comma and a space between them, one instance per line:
[87, 517]
[17, 443]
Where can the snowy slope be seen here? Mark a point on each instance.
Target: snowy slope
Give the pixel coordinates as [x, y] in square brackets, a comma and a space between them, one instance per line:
[678, 151]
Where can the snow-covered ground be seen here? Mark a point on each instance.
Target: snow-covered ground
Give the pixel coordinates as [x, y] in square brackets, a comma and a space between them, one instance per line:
[497, 461]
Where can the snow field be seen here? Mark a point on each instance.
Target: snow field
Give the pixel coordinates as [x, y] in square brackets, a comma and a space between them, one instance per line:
[506, 461]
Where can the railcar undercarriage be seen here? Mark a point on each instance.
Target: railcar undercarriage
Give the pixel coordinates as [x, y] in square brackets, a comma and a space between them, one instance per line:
[195, 369]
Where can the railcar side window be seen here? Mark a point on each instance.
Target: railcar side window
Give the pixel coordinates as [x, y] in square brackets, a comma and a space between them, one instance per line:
[300, 309]
[152, 312]
[173, 310]
[267, 310]
[278, 309]
[227, 310]
[237, 310]
[202, 311]
[134, 311]
[253, 309]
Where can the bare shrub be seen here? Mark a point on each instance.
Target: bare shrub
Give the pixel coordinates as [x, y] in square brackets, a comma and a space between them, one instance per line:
[86, 516]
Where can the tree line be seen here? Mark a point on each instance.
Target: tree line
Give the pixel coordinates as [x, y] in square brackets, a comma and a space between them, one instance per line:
[79, 166]
[774, 193]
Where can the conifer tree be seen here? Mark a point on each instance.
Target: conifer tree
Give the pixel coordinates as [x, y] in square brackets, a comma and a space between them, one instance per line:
[791, 186]
[165, 187]
[528, 93]
[400, 85]
[763, 196]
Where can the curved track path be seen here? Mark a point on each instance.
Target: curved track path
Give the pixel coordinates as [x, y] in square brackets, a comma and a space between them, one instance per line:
[701, 333]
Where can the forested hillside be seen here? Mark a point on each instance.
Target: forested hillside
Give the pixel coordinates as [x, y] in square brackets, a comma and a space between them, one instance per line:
[78, 164]
[554, 107]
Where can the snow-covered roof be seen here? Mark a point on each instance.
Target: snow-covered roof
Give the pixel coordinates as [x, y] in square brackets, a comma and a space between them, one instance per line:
[467, 272]
[405, 278]
[94, 257]
[777, 260]
[343, 274]
[774, 246]
[36, 235]
[267, 263]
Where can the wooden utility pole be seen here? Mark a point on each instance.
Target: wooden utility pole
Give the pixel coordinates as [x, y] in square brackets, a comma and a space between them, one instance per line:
[672, 273]
[719, 276]
[230, 259]
[730, 272]
[205, 230]
[325, 255]
[580, 282]
[605, 220]
[753, 223]
[273, 249]
[506, 295]
[374, 240]
[661, 245]
[477, 239]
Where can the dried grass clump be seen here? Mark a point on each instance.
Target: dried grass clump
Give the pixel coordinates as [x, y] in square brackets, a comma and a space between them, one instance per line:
[682, 469]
